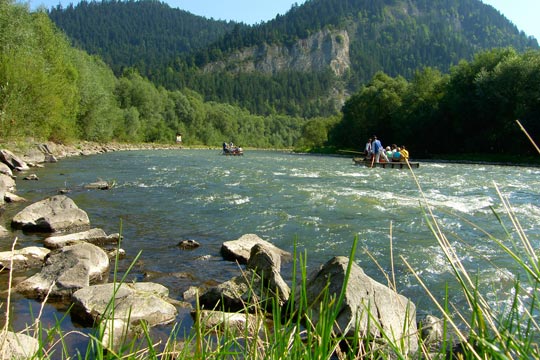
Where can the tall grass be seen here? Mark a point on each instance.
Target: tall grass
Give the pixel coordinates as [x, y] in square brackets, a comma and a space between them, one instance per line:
[482, 331]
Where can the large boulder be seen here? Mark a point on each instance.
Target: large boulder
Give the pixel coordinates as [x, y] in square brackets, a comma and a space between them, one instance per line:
[239, 250]
[121, 307]
[17, 346]
[13, 161]
[93, 236]
[266, 262]
[34, 156]
[55, 214]
[259, 285]
[22, 259]
[369, 309]
[49, 156]
[66, 271]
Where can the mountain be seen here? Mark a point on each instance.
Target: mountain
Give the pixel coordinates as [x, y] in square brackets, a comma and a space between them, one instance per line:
[305, 62]
[144, 34]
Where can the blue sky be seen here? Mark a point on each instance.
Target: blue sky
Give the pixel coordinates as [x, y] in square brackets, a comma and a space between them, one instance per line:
[523, 13]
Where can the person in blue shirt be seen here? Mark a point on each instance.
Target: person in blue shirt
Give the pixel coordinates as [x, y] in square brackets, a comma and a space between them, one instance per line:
[377, 150]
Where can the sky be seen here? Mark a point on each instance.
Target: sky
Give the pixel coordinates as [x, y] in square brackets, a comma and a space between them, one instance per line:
[523, 13]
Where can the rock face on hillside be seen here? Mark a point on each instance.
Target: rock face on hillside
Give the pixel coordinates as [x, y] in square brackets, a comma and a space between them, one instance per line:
[320, 51]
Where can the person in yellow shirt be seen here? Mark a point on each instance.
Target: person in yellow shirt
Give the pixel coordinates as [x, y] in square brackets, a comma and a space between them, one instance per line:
[404, 153]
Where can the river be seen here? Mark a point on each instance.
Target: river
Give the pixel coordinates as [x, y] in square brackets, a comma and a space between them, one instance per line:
[318, 203]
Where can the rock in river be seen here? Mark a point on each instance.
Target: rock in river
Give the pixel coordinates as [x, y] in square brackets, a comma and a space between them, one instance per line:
[66, 271]
[55, 214]
[94, 236]
[239, 250]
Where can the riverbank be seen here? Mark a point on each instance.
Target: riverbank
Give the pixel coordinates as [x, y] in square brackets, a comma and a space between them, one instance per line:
[28, 149]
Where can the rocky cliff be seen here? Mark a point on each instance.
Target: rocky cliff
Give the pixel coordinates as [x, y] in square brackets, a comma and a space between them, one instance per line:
[320, 51]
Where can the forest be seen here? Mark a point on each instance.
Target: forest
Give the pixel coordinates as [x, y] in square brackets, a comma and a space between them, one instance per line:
[471, 110]
[171, 47]
[50, 90]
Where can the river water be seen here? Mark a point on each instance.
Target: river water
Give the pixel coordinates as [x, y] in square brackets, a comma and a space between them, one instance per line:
[321, 204]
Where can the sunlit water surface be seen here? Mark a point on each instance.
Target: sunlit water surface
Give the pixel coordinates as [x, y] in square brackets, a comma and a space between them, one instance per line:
[321, 204]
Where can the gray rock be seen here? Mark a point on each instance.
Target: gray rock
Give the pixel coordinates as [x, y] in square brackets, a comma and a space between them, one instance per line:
[31, 177]
[266, 262]
[132, 304]
[247, 291]
[2, 196]
[239, 324]
[7, 183]
[191, 293]
[100, 185]
[6, 170]
[66, 271]
[114, 253]
[26, 258]
[3, 231]
[13, 161]
[188, 244]
[12, 198]
[431, 330]
[34, 156]
[319, 51]
[232, 295]
[55, 214]
[136, 301]
[369, 308]
[239, 250]
[93, 236]
[16, 346]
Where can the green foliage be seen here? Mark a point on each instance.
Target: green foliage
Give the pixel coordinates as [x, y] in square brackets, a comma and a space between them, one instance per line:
[397, 37]
[315, 133]
[51, 91]
[99, 118]
[38, 96]
[372, 111]
[472, 110]
[147, 34]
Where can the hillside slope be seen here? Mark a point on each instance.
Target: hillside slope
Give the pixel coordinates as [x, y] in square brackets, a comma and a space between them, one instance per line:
[144, 34]
[305, 62]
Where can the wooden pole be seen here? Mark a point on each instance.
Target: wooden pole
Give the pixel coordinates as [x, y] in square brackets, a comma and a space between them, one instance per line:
[530, 138]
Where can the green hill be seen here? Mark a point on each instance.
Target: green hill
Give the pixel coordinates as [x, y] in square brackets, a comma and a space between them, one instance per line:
[142, 34]
[240, 64]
